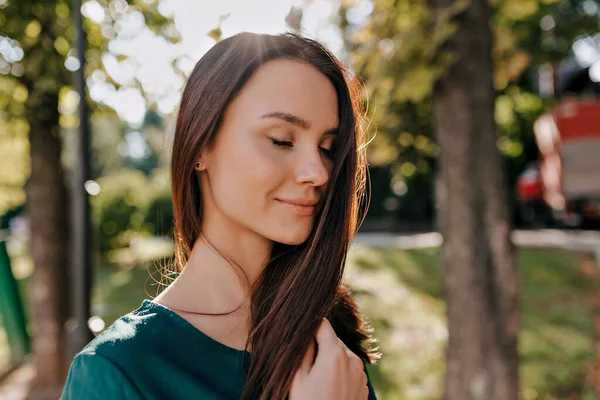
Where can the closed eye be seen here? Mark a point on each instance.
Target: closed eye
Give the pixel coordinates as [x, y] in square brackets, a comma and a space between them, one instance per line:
[282, 143]
[329, 153]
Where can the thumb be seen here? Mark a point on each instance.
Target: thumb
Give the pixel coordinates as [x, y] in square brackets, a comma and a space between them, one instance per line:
[327, 342]
[326, 336]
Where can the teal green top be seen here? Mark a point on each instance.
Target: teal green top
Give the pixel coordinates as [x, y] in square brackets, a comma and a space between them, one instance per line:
[153, 353]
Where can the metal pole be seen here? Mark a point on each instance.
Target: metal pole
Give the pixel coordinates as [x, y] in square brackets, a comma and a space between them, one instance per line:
[80, 334]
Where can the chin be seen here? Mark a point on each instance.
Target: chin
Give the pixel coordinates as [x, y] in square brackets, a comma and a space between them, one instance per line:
[291, 238]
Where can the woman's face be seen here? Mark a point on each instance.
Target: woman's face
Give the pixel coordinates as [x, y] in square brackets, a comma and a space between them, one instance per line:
[270, 166]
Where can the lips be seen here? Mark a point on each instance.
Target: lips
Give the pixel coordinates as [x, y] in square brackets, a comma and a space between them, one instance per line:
[303, 207]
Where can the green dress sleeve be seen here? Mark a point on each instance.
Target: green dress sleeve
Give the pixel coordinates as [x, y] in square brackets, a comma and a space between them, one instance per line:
[94, 377]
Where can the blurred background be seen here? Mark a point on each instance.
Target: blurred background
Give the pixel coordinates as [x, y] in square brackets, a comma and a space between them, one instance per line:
[86, 215]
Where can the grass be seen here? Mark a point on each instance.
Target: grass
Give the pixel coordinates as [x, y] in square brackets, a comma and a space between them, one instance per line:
[4, 351]
[400, 292]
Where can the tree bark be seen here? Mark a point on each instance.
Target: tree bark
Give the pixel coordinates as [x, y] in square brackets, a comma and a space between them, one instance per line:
[48, 218]
[480, 281]
[46, 194]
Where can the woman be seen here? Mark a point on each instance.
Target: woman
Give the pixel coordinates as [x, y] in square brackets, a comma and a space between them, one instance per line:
[267, 169]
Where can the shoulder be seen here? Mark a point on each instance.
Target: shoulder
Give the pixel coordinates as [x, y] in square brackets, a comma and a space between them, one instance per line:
[129, 334]
[103, 368]
[95, 377]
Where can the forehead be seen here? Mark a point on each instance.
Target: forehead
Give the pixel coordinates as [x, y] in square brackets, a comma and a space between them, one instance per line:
[291, 87]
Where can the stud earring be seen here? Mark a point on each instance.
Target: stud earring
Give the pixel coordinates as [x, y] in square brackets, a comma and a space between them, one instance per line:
[198, 164]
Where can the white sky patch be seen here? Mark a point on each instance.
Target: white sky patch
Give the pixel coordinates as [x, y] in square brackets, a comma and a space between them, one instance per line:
[93, 10]
[120, 72]
[358, 14]
[129, 104]
[169, 102]
[165, 8]
[130, 24]
[102, 92]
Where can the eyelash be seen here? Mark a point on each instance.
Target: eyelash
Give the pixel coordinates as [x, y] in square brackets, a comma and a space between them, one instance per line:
[282, 143]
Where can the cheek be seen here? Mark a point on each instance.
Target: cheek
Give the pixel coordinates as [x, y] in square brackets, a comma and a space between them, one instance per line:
[243, 186]
[261, 171]
[247, 175]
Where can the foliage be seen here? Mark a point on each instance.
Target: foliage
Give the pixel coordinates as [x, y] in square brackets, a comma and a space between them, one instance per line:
[399, 48]
[31, 68]
[119, 207]
[159, 214]
[37, 51]
[130, 203]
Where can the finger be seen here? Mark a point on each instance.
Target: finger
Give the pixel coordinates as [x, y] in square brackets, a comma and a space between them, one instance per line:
[365, 392]
[364, 380]
[351, 355]
[325, 335]
[330, 349]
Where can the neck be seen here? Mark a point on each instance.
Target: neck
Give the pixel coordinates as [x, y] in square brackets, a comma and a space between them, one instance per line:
[214, 280]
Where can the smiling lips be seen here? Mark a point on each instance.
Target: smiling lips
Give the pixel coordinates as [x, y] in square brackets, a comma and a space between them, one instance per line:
[304, 207]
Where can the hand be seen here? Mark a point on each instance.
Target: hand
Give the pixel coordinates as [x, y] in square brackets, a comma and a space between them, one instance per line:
[337, 373]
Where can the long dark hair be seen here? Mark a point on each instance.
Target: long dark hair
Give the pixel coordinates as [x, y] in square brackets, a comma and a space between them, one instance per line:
[300, 284]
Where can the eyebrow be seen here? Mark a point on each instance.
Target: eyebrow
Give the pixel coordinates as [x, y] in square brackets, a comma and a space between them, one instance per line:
[294, 120]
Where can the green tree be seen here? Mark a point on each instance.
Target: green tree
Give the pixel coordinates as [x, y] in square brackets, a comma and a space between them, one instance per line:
[36, 33]
[37, 53]
[480, 282]
[457, 73]
[400, 48]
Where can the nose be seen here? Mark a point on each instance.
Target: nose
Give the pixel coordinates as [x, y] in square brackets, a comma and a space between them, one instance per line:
[311, 169]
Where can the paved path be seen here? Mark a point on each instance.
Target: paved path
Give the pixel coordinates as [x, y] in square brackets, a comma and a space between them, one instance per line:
[16, 384]
[550, 238]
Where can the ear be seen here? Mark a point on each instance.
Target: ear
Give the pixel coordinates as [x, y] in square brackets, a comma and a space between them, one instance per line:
[202, 160]
[200, 165]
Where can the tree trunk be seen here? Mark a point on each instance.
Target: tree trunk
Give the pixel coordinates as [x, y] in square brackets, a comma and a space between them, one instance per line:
[47, 211]
[480, 280]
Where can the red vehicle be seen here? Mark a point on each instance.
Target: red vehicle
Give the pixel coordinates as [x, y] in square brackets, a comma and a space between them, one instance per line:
[566, 179]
